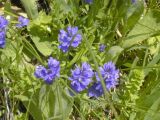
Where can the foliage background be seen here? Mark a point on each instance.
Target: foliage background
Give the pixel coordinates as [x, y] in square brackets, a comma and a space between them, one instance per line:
[131, 32]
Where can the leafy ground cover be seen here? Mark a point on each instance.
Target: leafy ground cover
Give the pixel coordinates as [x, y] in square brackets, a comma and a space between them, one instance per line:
[80, 60]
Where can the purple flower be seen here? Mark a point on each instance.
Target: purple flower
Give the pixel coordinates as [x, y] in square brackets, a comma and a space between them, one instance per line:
[102, 47]
[50, 73]
[69, 38]
[95, 90]
[22, 22]
[133, 1]
[40, 71]
[2, 39]
[110, 76]
[81, 77]
[89, 1]
[3, 23]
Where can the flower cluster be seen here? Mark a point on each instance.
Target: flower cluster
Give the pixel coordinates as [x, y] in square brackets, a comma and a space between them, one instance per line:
[69, 38]
[110, 76]
[22, 22]
[48, 74]
[3, 25]
[102, 47]
[81, 77]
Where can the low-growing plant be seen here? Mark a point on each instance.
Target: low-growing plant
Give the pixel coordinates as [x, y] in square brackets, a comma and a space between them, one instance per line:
[85, 59]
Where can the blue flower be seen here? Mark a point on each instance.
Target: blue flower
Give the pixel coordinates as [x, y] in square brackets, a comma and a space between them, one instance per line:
[110, 76]
[81, 77]
[102, 47]
[22, 22]
[133, 1]
[89, 1]
[3, 23]
[95, 90]
[2, 39]
[69, 38]
[48, 74]
[40, 71]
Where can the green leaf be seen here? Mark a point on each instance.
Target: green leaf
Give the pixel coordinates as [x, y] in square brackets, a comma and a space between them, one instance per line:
[21, 97]
[30, 50]
[41, 40]
[32, 106]
[31, 8]
[114, 51]
[133, 15]
[153, 110]
[42, 19]
[9, 51]
[54, 102]
[152, 63]
[147, 26]
[50, 102]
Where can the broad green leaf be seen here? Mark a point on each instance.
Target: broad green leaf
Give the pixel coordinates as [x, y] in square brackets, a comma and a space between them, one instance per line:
[54, 101]
[32, 106]
[31, 8]
[146, 27]
[41, 40]
[50, 102]
[149, 103]
[133, 15]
